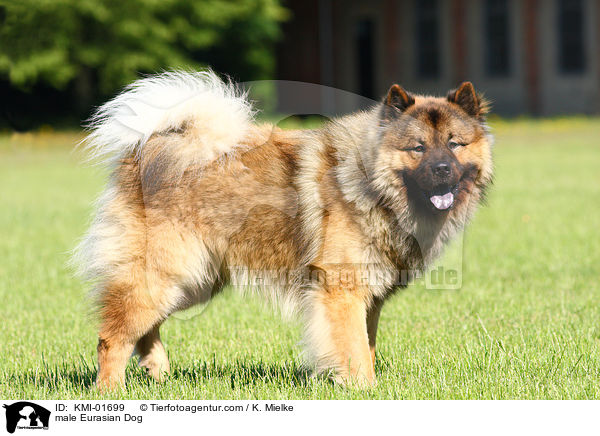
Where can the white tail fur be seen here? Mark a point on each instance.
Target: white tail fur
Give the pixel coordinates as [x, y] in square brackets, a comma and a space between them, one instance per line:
[218, 111]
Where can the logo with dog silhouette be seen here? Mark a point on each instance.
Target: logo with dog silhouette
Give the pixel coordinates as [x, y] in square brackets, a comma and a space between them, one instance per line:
[26, 415]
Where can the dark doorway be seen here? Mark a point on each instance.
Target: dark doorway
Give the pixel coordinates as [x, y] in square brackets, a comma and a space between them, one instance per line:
[497, 49]
[571, 36]
[427, 26]
[365, 57]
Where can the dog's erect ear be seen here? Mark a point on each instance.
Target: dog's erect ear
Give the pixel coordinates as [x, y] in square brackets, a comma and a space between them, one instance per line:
[398, 98]
[472, 103]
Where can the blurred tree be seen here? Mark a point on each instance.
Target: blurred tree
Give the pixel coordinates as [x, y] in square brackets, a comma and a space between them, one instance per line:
[94, 47]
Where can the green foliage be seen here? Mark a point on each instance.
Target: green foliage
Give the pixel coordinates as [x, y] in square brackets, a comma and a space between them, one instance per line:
[109, 42]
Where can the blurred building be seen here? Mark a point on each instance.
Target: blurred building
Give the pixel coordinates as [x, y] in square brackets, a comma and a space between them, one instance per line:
[529, 56]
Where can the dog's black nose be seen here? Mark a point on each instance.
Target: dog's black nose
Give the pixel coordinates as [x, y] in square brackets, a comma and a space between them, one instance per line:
[441, 169]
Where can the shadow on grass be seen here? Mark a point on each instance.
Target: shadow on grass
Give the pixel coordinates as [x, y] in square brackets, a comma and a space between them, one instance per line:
[80, 376]
[244, 373]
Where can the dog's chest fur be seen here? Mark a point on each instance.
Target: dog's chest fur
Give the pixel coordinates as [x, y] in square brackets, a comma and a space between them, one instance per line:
[379, 235]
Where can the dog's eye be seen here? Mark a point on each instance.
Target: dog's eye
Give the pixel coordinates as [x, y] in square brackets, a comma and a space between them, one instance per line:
[419, 148]
[453, 144]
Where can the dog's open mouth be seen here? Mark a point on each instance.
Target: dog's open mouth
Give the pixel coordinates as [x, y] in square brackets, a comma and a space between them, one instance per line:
[442, 197]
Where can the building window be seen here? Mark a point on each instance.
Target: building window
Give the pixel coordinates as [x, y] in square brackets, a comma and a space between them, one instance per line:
[428, 38]
[571, 36]
[497, 38]
[365, 57]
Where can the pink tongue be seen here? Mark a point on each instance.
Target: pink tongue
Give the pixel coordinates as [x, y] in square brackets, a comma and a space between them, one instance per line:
[442, 202]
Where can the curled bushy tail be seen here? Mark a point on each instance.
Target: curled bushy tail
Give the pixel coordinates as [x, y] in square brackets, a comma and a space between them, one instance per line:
[209, 119]
[217, 112]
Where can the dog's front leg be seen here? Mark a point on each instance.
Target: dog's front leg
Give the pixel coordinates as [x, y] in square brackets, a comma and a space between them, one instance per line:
[373, 313]
[337, 333]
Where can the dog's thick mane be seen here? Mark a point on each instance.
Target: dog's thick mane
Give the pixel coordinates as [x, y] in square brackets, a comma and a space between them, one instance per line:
[200, 101]
[385, 212]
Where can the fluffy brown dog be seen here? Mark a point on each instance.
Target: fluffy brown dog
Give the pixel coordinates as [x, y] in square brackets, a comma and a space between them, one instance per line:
[326, 221]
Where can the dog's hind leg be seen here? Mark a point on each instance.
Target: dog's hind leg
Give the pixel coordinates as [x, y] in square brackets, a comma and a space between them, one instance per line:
[128, 314]
[152, 354]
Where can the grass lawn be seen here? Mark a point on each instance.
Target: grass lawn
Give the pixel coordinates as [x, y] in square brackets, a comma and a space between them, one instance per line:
[524, 325]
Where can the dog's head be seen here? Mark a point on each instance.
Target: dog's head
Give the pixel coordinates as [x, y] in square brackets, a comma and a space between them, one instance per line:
[436, 151]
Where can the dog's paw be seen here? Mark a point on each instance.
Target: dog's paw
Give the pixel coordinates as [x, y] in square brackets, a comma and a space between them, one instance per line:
[106, 385]
[159, 370]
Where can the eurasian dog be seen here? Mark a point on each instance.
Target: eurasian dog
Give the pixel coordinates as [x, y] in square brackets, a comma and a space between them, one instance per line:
[200, 196]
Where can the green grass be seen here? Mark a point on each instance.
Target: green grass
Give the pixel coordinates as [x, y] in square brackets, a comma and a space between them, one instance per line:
[526, 323]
